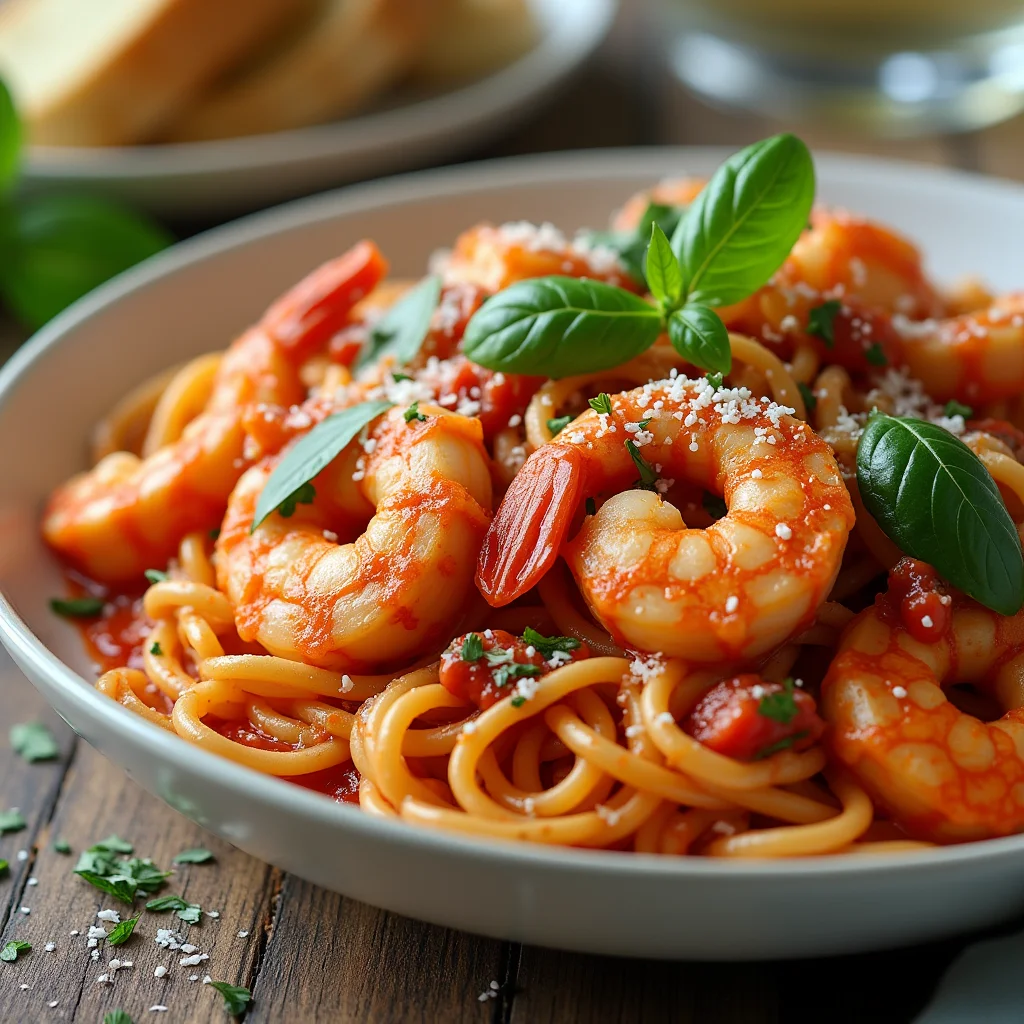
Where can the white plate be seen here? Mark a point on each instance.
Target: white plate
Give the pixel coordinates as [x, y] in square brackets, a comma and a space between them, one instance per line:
[193, 298]
[233, 175]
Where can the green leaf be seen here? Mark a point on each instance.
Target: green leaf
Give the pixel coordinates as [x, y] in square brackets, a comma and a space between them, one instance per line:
[155, 576]
[13, 948]
[648, 478]
[741, 227]
[156, 650]
[33, 741]
[145, 875]
[934, 498]
[664, 275]
[117, 1017]
[716, 380]
[400, 333]
[5, 868]
[58, 248]
[10, 138]
[305, 494]
[198, 855]
[518, 701]
[472, 648]
[121, 888]
[11, 821]
[547, 645]
[821, 321]
[955, 408]
[779, 707]
[77, 607]
[112, 844]
[122, 932]
[784, 744]
[557, 425]
[236, 998]
[559, 327]
[632, 245]
[62, 846]
[188, 912]
[413, 413]
[809, 397]
[701, 338]
[875, 355]
[312, 453]
[504, 674]
[602, 404]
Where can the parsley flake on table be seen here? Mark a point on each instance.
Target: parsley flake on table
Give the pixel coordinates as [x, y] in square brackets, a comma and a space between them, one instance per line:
[236, 998]
[123, 931]
[187, 912]
[11, 821]
[33, 741]
[13, 948]
[199, 855]
[117, 1017]
[4, 868]
[62, 846]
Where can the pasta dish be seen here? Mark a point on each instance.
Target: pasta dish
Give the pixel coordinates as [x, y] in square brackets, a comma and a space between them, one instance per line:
[697, 535]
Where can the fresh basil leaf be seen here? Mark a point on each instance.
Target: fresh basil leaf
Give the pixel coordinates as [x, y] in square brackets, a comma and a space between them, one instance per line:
[601, 404]
[122, 932]
[11, 821]
[699, 336]
[57, 248]
[10, 952]
[10, 138]
[312, 453]
[199, 855]
[664, 276]
[559, 327]
[742, 226]
[934, 498]
[120, 888]
[648, 477]
[117, 1017]
[400, 333]
[558, 424]
[236, 998]
[77, 607]
[33, 741]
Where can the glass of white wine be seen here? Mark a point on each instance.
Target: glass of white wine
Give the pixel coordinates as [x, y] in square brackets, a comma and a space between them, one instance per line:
[895, 67]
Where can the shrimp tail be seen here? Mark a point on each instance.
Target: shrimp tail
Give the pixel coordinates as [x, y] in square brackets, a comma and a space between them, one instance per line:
[305, 317]
[526, 534]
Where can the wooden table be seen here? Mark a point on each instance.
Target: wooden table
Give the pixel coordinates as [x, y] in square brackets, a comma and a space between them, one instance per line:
[309, 955]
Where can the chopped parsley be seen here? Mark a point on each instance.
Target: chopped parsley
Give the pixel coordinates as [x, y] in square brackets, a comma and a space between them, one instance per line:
[518, 701]
[5, 868]
[504, 674]
[547, 645]
[117, 1017]
[187, 912]
[123, 931]
[601, 404]
[715, 380]
[304, 494]
[821, 321]
[472, 648]
[780, 707]
[156, 650]
[155, 576]
[784, 744]
[875, 356]
[119, 876]
[713, 505]
[33, 741]
[809, 397]
[397, 377]
[590, 506]
[199, 855]
[11, 821]
[112, 844]
[558, 424]
[62, 846]
[236, 998]
[642, 425]
[648, 478]
[13, 948]
[413, 413]
[77, 607]
[120, 888]
[955, 408]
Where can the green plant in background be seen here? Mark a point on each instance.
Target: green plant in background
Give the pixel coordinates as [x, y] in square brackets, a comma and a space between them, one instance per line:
[55, 249]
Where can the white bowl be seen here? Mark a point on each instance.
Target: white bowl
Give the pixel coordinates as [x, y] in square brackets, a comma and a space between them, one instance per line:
[233, 175]
[195, 297]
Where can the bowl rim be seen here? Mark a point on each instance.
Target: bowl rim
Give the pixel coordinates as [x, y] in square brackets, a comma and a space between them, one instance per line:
[275, 794]
[570, 31]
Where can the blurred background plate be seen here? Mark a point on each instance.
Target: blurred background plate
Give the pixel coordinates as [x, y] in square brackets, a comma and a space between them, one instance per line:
[198, 179]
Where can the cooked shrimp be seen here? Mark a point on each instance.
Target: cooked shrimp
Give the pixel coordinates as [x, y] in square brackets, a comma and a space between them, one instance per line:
[400, 588]
[492, 257]
[128, 514]
[734, 590]
[941, 773]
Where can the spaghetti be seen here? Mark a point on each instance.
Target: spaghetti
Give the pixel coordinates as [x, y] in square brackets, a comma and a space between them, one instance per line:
[343, 633]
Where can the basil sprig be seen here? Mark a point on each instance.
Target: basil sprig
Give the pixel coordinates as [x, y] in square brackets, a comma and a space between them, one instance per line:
[400, 333]
[312, 453]
[935, 499]
[727, 244]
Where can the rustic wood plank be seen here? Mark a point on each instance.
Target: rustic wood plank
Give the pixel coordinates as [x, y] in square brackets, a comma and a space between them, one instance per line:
[97, 800]
[332, 959]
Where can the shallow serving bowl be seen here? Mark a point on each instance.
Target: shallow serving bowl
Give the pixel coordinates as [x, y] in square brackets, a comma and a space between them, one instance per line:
[196, 297]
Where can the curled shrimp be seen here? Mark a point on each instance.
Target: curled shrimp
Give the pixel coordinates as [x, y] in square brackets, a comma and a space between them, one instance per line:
[733, 590]
[128, 514]
[401, 585]
[942, 774]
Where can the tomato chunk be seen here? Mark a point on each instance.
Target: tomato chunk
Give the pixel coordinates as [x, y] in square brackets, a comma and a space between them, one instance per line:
[486, 667]
[917, 598]
[747, 718]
